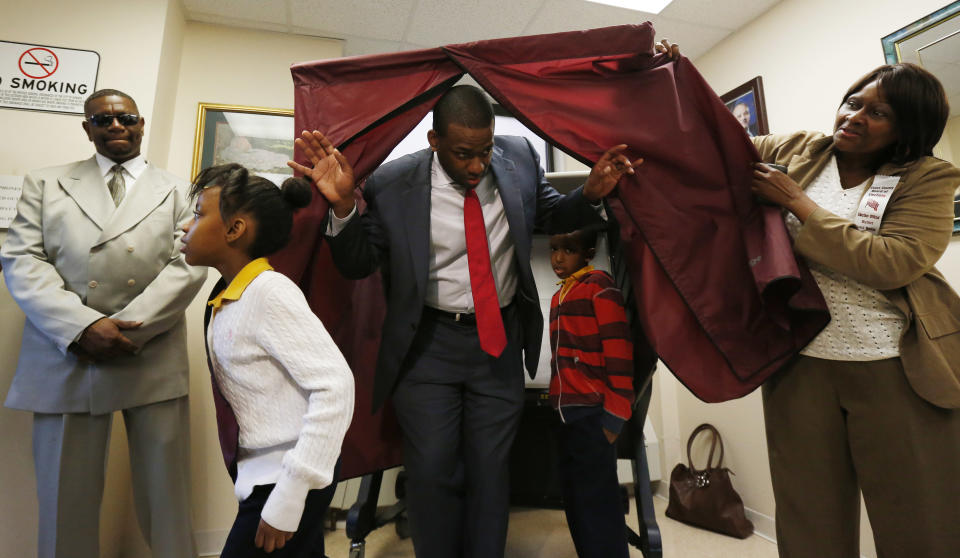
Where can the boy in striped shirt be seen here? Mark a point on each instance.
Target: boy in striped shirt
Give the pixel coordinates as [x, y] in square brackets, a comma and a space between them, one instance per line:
[591, 386]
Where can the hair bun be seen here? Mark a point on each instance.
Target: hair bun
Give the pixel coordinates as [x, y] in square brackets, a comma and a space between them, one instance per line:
[297, 192]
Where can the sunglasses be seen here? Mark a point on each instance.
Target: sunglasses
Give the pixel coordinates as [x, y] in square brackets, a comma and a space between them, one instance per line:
[104, 120]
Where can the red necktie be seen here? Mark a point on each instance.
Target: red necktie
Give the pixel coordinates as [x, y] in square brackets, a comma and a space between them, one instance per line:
[493, 338]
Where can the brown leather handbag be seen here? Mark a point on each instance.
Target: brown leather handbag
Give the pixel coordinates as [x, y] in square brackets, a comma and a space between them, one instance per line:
[706, 498]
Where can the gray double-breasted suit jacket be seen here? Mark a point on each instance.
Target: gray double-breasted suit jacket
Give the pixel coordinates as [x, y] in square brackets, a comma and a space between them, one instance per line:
[71, 258]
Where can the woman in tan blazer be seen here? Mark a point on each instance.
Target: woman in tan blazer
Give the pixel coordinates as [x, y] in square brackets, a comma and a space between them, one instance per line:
[870, 404]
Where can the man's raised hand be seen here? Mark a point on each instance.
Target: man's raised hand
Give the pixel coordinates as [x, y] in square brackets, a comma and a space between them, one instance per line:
[606, 173]
[331, 172]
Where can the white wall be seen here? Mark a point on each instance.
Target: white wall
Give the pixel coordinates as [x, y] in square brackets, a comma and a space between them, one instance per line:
[168, 66]
[33, 140]
[949, 146]
[808, 52]
[128, 37]
[160, 130]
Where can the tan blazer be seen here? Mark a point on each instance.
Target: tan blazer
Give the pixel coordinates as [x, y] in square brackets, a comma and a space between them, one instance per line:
[899, 261]
[71, 258]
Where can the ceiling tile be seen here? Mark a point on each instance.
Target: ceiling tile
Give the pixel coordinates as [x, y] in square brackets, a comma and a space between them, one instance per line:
[255, 11]
[441, 22]
[718, 13]
[413, 46]
[372, 26]
[694, 40]
[241, 22]
[374, 19]
[356, 46]
[573, 15]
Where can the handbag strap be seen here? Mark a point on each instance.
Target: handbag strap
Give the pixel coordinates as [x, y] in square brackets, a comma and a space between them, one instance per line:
[717, 440]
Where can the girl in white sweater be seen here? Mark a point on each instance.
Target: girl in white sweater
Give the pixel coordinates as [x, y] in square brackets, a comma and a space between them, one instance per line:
[289, 387]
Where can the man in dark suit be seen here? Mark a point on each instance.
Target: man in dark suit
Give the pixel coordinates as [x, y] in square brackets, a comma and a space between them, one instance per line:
[450, 228]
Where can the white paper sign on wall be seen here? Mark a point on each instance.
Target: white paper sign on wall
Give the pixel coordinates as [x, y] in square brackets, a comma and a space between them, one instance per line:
[46, 78]
[9, 195]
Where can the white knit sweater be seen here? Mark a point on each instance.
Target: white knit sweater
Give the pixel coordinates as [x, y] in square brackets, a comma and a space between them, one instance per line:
[291, 391]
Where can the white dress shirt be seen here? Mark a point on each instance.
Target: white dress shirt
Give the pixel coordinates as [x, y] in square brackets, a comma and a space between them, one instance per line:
[132, 169]
[448, 278]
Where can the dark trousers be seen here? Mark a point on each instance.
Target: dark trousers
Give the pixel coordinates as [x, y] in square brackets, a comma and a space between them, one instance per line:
[459, 410]
[591, 491]
[307, 542]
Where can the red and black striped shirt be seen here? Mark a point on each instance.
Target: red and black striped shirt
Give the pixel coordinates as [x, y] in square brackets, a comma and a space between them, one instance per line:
[592, 351]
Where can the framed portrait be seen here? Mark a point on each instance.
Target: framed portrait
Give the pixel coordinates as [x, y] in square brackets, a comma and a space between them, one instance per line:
[747, 105]
[956, 215]
[260, 139]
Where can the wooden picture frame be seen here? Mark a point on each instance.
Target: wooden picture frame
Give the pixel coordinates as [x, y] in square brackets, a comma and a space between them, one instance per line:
[750, 95]
[258, 138]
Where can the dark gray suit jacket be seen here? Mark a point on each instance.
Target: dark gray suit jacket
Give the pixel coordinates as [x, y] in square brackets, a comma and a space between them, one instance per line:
[393, 235]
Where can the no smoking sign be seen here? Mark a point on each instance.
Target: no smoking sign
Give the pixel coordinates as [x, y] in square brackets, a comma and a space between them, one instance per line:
[38, 63]
[46, 78]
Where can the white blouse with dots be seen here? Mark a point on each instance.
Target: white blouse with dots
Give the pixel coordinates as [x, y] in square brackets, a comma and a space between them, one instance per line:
[864, 324]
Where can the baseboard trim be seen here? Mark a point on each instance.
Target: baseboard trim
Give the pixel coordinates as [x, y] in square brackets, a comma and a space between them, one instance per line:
[210, 543]
[763, 525]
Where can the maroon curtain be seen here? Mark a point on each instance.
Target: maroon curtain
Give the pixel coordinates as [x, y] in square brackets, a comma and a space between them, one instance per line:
[365, 105]
[720, 296]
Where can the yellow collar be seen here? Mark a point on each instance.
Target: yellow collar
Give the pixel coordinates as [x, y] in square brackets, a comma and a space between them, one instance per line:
[241, 281]
[573, 278]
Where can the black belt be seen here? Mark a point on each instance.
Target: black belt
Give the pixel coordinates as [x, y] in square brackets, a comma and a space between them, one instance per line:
[466, 318]
[459, 317]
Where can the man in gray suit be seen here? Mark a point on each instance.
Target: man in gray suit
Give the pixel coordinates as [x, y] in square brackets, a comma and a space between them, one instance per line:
[93, 259]
[460, 322]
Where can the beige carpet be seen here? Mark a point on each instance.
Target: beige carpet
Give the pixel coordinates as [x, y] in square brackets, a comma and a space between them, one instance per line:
[536, 533]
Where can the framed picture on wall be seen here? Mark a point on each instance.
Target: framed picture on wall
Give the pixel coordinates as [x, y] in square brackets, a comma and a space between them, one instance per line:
[956, 215]
[747, 105]
[260, 139]
[933, 37]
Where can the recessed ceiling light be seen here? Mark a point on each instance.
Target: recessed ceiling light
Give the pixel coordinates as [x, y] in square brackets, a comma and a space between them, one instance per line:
[649, 6]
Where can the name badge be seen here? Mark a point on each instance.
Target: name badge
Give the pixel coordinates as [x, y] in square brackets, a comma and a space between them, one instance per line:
[874, 203]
